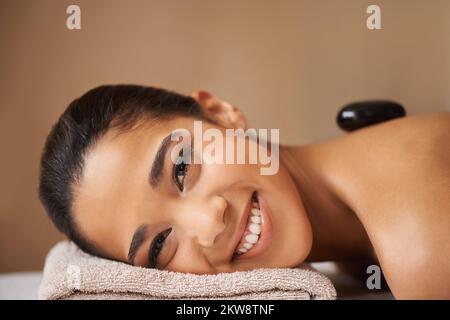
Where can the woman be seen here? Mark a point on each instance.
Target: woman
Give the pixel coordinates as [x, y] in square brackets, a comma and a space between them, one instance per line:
[380, 193]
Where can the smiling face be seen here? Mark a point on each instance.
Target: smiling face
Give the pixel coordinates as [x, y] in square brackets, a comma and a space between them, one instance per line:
[195, 216]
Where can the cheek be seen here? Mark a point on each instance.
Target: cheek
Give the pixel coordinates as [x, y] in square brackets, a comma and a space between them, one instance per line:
[229, 176]
[189, 259]
[292, 232]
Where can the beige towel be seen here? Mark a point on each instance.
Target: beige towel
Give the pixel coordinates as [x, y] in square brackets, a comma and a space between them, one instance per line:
[70, 273]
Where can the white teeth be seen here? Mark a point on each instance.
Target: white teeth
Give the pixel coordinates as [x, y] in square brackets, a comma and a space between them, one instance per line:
[255, 228]
[248, 245]
[255, 219]
[252, 238]
[255, 212]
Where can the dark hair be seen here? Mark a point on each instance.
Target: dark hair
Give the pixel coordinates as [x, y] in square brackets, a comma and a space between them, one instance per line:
[84, 121]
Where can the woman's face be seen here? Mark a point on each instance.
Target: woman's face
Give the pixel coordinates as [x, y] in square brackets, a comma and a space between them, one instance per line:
[138, 206]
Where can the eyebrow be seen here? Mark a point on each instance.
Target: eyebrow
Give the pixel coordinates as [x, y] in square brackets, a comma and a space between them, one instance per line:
[154, 178]
[137, 240]
[158, 164]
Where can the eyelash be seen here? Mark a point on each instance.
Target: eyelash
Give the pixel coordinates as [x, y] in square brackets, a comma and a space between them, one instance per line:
[180, 165]
[158, 242]
[157, 246]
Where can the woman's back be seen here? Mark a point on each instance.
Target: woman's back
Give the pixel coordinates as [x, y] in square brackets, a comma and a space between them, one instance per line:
[396, 178]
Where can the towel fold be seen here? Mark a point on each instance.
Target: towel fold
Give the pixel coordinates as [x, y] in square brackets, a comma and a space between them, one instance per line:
[69, 273]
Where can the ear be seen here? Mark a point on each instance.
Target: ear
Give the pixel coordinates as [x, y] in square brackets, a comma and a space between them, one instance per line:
[219, 111]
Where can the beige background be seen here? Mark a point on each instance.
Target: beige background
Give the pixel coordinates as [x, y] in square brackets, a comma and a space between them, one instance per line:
[287, 64]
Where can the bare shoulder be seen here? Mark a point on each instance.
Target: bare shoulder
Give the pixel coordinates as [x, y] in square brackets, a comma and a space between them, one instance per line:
[424, 140]
[410, 135]
[398, 153]
[431, 130]
[399, 174]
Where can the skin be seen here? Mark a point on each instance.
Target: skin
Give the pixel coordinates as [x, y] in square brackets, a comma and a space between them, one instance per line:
[114, 198]
[378, 194]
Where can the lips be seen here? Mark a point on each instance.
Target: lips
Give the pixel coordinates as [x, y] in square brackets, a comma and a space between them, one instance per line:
[235, 240]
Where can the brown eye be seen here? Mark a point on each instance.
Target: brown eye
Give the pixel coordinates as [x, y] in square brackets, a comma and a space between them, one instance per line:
[180, 171]
[157, 246]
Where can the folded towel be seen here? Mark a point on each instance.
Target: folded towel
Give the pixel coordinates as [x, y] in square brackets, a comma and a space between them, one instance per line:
[69, 273]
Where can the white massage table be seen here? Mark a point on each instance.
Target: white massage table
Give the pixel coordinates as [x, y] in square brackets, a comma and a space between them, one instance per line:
[20, 285]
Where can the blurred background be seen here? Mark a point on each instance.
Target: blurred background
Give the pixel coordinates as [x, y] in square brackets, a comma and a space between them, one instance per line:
[287, 64]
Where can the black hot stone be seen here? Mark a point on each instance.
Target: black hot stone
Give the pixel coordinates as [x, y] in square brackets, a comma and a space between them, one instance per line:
[365, 113]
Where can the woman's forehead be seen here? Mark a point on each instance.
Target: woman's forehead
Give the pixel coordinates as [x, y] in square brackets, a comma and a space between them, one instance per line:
[116, 152]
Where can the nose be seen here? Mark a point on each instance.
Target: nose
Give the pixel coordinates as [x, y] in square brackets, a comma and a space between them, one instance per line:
[204, 220]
